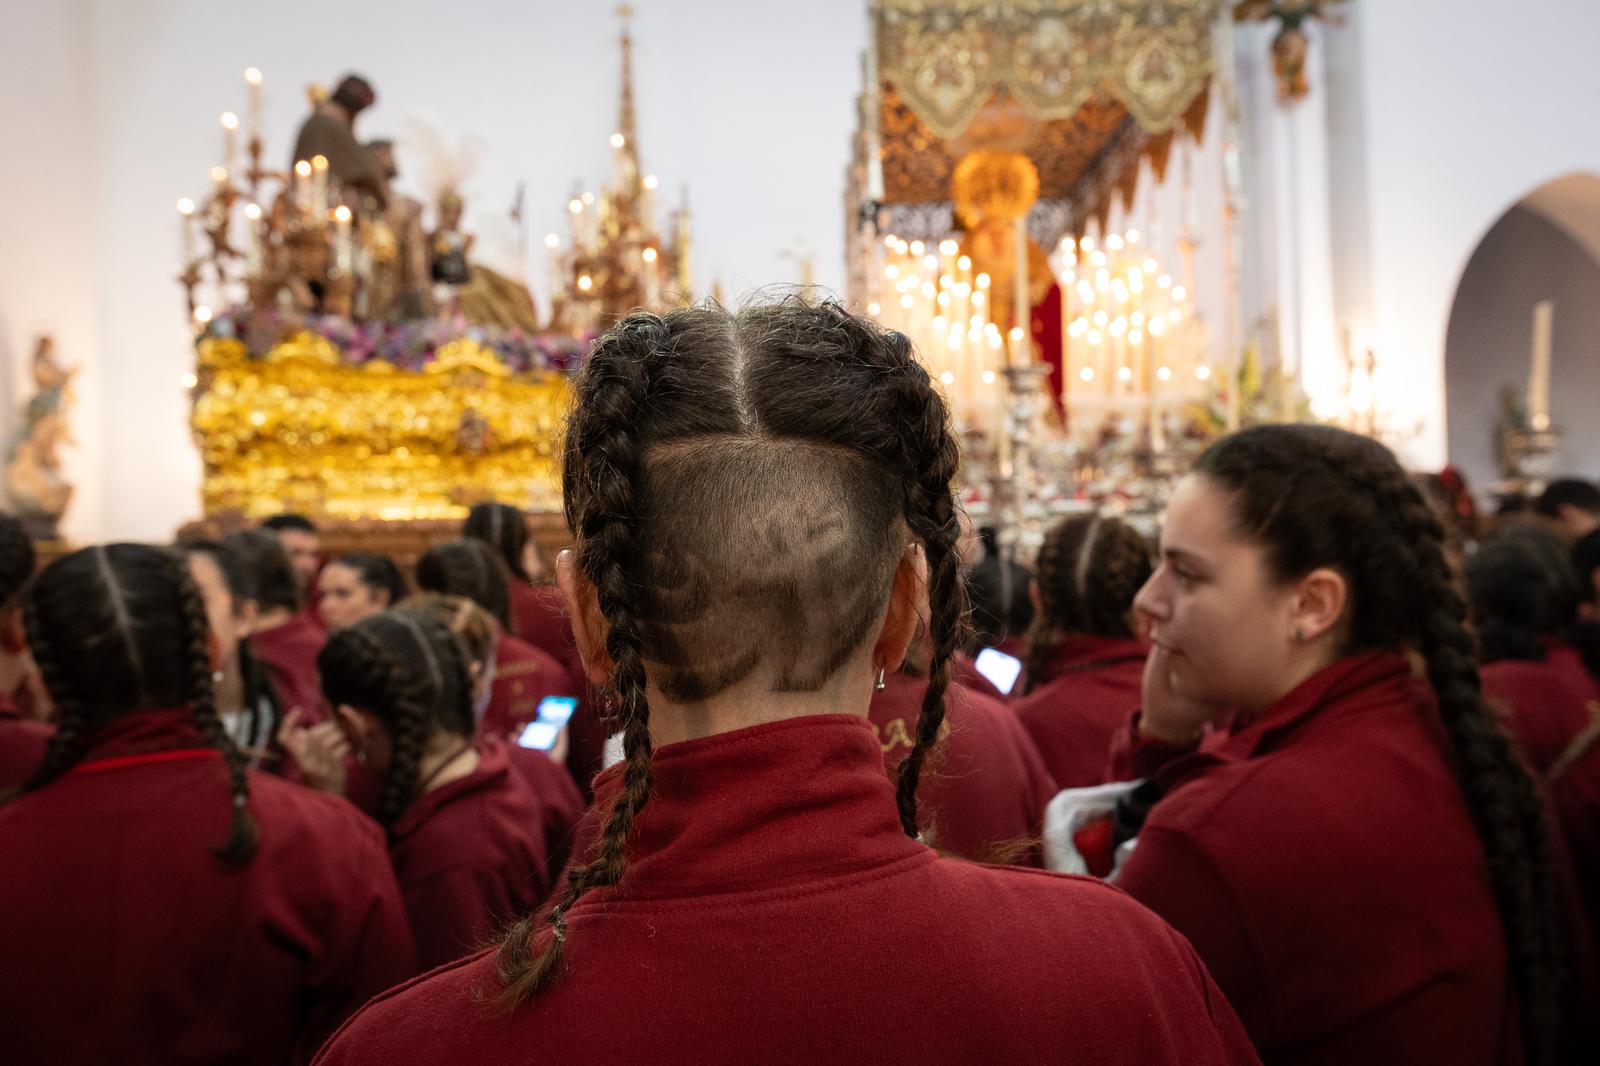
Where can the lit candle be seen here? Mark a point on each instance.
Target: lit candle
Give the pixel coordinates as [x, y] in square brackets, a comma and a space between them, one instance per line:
[230, 140]
[252, 81]
[252, 262]
[319, 187]
[219, 176]
[342, 243]
[1544, 313]
[1020, 352]
[186, 230]
[302, 186]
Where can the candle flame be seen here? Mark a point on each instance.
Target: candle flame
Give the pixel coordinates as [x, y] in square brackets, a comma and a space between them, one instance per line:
[230, 121]
[341, 213]
[319, 162]
[185, 206]
[252, 211]
[252, 75]
[303, 169]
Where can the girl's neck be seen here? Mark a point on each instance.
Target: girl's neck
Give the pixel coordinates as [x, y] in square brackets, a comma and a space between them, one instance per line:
[446, 758]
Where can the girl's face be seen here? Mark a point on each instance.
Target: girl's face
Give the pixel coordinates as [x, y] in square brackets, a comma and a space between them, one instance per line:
[1227, 625]
[346, 600]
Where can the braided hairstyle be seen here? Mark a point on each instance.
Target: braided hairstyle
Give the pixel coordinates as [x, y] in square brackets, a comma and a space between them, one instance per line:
[470, 623]
[1088, 571]
[742, 488]
[468, 568]
[1315, 496]
[503, 528]
[408, 672]
[122, 628]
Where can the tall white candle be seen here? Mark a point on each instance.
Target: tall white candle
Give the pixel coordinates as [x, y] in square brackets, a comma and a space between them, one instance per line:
[252, 80]
[186, 230]
[319, 185]
[230, 141]
[252, 261]
[1544, 314]
[1020, 351]
[342, 243]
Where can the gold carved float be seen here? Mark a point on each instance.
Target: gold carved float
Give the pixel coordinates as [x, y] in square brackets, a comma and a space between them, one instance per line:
[299, 428]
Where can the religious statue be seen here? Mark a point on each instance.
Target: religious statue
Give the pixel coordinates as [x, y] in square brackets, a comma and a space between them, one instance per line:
[1291, 45]
[329, 132]
[993, 191]
[39, 491]
[449, 244]
[398, 249]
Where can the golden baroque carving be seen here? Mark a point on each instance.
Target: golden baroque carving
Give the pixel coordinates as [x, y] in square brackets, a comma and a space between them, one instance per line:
[299, 429]
[1053, 56]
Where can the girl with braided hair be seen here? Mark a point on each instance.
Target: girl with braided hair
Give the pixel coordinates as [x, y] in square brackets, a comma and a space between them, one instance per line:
[23, 735]
[537, 614]
[762, 505]
[524, 675]
[465, 830]
[560, 801]
[1357, 853]
[211, 913]
[1084, 661]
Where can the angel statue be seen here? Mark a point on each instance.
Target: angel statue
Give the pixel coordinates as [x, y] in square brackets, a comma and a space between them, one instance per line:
[39, 492]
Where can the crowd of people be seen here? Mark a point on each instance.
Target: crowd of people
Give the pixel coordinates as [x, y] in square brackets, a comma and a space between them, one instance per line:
[780, 761]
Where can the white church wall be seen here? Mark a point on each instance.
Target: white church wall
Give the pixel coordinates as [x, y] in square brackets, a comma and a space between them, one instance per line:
[1525, 258]
[1465, 109]
[49, 227]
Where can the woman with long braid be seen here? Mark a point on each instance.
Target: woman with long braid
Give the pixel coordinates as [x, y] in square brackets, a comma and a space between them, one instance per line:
[466, 832]
[1357, 853]
[206, 913]
[762, 505]
[1084, 660]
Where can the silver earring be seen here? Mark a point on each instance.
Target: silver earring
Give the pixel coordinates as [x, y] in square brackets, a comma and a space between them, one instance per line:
[881, 686]
[216, 677]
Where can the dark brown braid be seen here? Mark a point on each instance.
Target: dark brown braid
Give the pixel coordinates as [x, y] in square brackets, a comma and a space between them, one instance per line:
[407, 671]
[930, 512]
[1316, 496]
[136, 613]
[1089, 569]
[243, 835]
[741, 488]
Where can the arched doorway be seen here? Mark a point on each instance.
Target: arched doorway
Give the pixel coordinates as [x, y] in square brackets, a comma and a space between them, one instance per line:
[1546, 246]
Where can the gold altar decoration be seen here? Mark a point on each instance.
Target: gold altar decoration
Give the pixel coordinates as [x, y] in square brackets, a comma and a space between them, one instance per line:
[301, 429]
[948, 58]
[616, 257]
